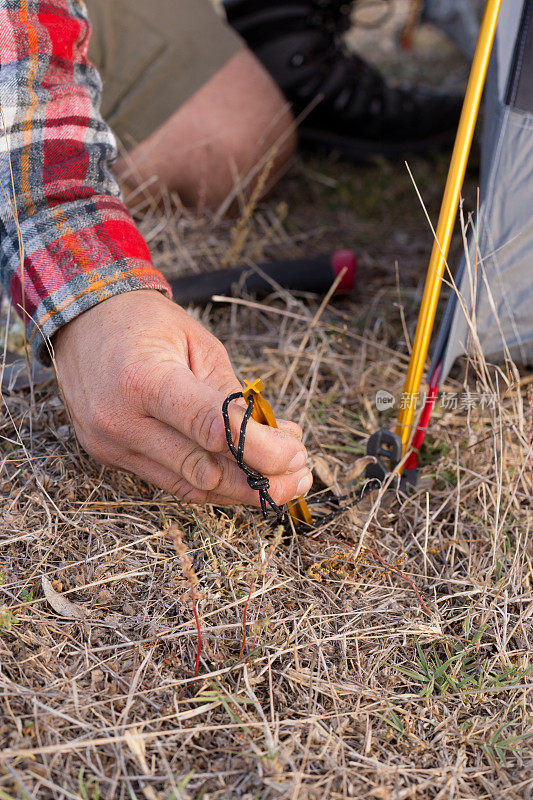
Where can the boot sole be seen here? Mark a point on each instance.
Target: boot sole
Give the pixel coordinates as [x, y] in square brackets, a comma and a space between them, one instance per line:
[359, 150]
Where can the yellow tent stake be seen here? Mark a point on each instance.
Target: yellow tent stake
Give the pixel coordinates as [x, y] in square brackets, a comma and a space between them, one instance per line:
[448, 213]
[263, 413]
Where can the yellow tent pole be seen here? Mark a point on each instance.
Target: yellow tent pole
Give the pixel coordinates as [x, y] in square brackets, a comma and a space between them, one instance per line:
[448, 213]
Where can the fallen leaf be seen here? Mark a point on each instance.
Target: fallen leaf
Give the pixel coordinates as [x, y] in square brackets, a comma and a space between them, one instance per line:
[359, 467]
[381, 793]
[322, 470]
[425, 483]
[137, 745]
[61, 604]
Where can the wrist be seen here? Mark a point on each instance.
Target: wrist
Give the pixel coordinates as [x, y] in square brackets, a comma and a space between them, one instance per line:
[118, 309]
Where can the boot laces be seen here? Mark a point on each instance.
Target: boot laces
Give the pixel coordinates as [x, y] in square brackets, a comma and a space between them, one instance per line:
[347, 79]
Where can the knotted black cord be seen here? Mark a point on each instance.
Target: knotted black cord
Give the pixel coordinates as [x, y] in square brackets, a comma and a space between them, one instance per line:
[261, 484]
[255, 480]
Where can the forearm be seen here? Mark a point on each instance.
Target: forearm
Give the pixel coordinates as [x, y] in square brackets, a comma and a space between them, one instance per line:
[80, 245]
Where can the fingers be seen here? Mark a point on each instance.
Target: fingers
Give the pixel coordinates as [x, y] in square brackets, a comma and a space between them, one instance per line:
[234, 485]
[233, 490]
[289, 487]
[208, 472]
[152, 472]
[290, 427]
[270, 451]
[195, 409]
[172, 450]
[280, 493]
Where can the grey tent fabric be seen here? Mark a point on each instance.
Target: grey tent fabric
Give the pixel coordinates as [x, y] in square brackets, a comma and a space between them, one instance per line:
[495, 284]
[458, 18]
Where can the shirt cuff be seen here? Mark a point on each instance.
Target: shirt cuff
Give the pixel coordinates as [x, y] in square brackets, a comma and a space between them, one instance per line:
[84, 267]
[84, 292]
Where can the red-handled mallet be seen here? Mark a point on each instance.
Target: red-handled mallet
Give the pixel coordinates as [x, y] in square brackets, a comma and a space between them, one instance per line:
[300, 274]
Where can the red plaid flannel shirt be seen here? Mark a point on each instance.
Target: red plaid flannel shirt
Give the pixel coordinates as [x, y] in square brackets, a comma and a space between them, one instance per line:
[80, 246]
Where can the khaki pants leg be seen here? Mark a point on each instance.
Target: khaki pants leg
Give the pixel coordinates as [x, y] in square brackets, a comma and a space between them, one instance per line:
[153, 55]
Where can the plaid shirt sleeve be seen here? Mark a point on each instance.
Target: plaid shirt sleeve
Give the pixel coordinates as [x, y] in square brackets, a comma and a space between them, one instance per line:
[78, 243]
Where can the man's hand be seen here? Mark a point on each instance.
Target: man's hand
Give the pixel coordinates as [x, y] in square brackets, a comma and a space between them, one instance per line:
[144, 385]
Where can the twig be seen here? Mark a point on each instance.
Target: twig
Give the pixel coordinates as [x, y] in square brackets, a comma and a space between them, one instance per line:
[192, 597]
[307, 336]
[194, 604]
[403, 575]
[244, 615]
[261, 571]
[383, 561]
[240, 231]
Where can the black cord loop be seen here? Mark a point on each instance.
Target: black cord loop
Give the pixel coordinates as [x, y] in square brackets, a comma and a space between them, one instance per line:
[261, 484]
[256, 481]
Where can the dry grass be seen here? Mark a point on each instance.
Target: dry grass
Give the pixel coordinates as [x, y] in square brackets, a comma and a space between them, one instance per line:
[341, 685]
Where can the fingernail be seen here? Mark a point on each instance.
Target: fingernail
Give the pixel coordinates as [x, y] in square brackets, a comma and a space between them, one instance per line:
[304, 485]
[298, 461]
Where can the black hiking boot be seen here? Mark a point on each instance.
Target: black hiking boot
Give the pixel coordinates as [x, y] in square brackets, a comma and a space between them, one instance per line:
[350, 106]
